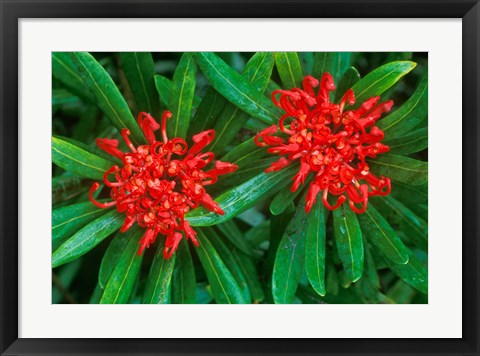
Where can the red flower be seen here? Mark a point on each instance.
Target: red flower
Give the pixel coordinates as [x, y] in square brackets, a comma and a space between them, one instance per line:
[160, 182]
[330, 142]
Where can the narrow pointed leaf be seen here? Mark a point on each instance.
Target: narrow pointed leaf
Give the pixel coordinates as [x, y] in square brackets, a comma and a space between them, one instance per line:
[181, 96]
[380, 234]
[249, 270]
[289, 69]
[401, 169]
[68, 219]
[235, 88]
[380, 79]
[245, 153]
[242, 197]
[225, 288]
[347, 81]
[315, 248]
[348, 237]
[336, 63]
[409, 194]
[282, 200]
[65, 71]
[140, 71]
[158, 286]
[413, 226]
[243, 174]
[183, 287]
[207, 113]
[164, 87]
[413, 142]
[236, 237]
[306, 60]
[106, 94]
[68, 187]
[92, 148]
[228, 258]
[96, 295]
[87, 238]
[409, 115]
[290, 259]
[123, 276]
[76, 160]
[257, 73]
[112, 255]
[413, 273]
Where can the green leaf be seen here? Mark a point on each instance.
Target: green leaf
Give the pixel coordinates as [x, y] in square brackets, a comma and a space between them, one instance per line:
[348, 80]
[164, 87]
[245, 153]
[249, 270]
[183, 286]
[106, 94]
[271, 87]
[158, 286]
[315, 247]
[112, 255]
[401, 169]
[225, 288]
[68, 187]
[336, 63]
[410, 194]
[380, 79]
[65, 278]
[65, 71]
[181, 96]
[207, 113]
[257, 73]
[409, 115]
[87, 238]
[413, 142]
[306, 60]
[348, 237]
[379, 232]
[227, 256]
[413, 273]
[290, 259]
[242, 174]
[96, 295]
[92, 148]
[282, 200]
[242, 197]
[140, 71]
[412, 225]
[235, 88]
[236, 237]
[68, 219]
[289, 69]
[125, 272]
[257, 234]
[76, 160]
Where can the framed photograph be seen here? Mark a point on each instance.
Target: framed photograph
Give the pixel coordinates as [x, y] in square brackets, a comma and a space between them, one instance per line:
[228, 177]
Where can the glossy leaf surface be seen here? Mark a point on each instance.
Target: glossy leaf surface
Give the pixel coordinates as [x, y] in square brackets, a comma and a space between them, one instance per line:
[87, 238]
[348, 237]
[76, 160]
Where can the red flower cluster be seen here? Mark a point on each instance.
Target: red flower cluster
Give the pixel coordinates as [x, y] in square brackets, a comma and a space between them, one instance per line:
[330, 142]
[160, 182]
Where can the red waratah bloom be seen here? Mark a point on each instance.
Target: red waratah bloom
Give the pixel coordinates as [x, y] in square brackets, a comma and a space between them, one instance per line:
[160, 182]
[329, 141]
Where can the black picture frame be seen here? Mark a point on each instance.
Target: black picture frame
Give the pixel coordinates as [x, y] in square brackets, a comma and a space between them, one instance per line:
[12, 11]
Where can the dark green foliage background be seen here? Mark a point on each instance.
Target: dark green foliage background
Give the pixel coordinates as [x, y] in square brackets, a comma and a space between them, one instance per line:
[251, 247]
